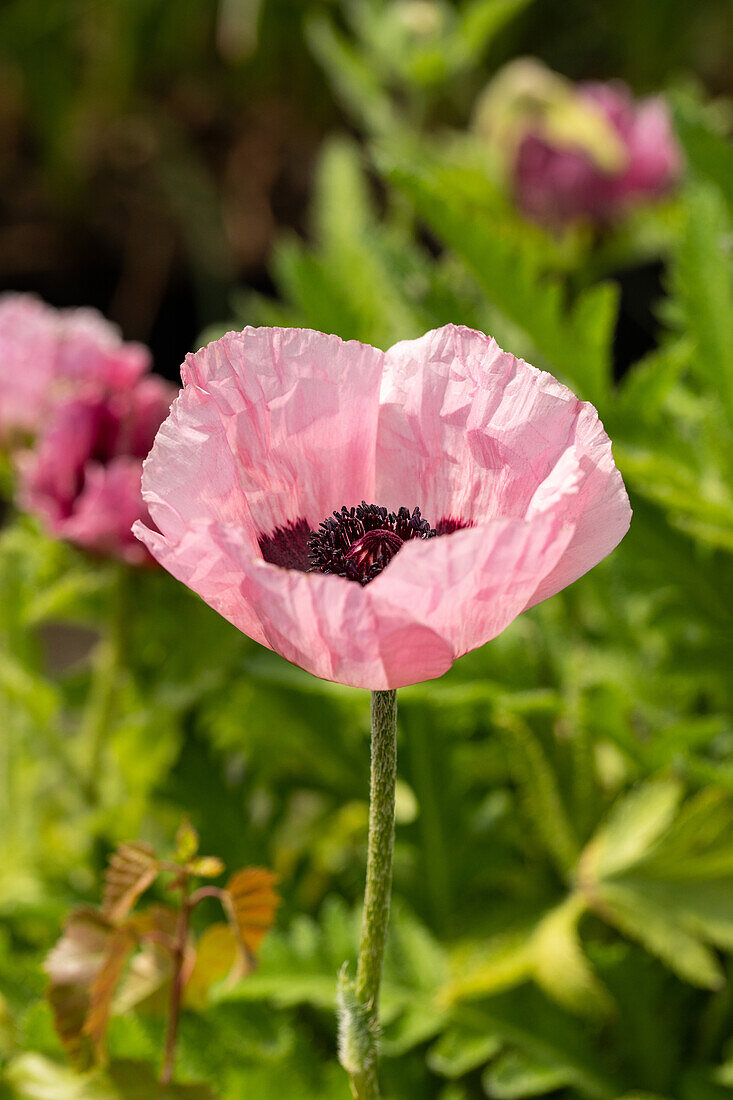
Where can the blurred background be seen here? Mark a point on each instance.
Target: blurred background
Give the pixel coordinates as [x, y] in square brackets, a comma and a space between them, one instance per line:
[153, 152]
[563, 917]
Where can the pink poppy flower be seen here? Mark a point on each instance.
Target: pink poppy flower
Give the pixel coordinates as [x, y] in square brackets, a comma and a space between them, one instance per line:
[45, 353]
[83, 476]
[488, 487]
[557, 182]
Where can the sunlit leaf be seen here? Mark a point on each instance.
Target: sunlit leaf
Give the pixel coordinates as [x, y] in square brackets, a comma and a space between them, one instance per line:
[632, 827]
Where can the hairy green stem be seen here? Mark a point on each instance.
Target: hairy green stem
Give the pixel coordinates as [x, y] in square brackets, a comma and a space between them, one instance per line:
[360, 1055]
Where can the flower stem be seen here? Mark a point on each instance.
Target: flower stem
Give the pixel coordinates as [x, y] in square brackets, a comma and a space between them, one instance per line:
[363, 1055]
[98, 714]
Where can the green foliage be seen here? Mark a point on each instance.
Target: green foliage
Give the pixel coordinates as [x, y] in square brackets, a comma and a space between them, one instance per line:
[564, 850]
[512, 273]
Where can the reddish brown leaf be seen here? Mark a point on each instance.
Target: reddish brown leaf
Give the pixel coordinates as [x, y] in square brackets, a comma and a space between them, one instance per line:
[251, 902]
[78, 954]
[72, 966]
[120, 946]
[69, 1004]
[132, 869]
[145, 986]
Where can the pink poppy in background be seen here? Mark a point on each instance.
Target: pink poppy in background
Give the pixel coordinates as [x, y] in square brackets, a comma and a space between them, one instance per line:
[560, 183]
[83, 476]
[372, 516]
[46, 353]
[576, 152]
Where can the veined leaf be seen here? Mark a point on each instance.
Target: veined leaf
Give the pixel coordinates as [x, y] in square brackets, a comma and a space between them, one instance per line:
[131, 870]
[120, 946]
[631, 828]
[72, 967]
[251, 902]
[663, 874]
[661, 933]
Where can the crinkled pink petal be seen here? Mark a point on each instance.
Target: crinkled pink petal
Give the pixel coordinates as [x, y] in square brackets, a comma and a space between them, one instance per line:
[655, 159]
[457, 427]
[90, 349]
[329, 626]
[46, 353]
[468, 431]
[468, 586]
[292, 400]
[106, 509]
[50, 473]
[437, 600]
[27, 362]
[192, 473]
[83, 476]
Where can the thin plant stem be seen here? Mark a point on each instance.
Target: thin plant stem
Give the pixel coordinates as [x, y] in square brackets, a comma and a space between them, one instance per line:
[105, 682]
[364, 1077]
[174, 1009]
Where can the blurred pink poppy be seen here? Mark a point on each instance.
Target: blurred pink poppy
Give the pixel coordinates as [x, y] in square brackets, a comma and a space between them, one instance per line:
[556, 184]
[585, 152]
[83, 476]
[488, 487]
[45, 353]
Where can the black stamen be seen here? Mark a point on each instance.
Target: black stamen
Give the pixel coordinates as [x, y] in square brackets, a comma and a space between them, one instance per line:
[358, 543]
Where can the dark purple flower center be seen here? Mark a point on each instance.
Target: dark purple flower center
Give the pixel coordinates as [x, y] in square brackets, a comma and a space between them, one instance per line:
[356, 543]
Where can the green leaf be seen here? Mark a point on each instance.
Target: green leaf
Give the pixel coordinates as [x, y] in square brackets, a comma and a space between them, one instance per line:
[354, 79]
[660, 932]
[709, 154]
[33, 1077]
[513, 1076]
[481, 20]
[300, 966]
[539, 789]
[560, 966]
[703, 281]
[545, 1034]
[633, 825]
[460, 1050]
[573, 341]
